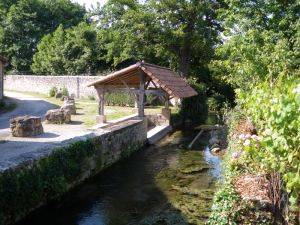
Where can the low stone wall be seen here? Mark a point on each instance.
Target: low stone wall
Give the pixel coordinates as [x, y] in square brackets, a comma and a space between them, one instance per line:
[42, 84]
[34, 182]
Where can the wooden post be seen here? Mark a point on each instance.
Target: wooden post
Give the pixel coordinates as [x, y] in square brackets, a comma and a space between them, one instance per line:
[167, 101]
[141, 112]
[1, 80]
[166, 112]
[101, 118]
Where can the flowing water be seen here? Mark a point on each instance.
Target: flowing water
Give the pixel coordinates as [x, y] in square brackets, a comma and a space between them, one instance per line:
[164, 184]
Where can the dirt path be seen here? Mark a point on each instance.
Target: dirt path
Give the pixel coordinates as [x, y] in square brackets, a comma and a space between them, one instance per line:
[26, 105]
[14, 149]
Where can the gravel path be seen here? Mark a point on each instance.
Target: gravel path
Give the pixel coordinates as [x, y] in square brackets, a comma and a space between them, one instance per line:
[14, 149]
[26, 105]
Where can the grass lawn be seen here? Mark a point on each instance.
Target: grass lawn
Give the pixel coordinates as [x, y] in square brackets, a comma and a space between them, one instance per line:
[88, 109]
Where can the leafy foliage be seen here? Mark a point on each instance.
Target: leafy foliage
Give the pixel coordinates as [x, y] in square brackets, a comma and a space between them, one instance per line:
[53, 91]
[24, 22]
[278, 125]
[262, 42]
[70, 51]
[120, 99]
[229, 208]
[195, 108]
[179, 34]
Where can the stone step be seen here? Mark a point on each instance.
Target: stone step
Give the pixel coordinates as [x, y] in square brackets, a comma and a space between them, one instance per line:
[157, 133]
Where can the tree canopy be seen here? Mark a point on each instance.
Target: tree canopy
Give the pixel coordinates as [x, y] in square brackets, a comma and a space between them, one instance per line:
[262, 41]
[68, 51]
[25, 22]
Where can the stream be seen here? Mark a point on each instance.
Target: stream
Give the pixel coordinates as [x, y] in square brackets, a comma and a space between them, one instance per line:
[163, 184]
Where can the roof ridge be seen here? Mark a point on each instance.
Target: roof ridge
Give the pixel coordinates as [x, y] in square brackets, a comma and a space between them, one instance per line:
[153, 65]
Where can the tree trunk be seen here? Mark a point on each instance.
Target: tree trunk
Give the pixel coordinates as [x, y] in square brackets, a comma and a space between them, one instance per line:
[184, 60]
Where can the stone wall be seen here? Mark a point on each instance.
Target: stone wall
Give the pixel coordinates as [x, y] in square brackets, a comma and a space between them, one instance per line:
[42, 84]
[36, 181]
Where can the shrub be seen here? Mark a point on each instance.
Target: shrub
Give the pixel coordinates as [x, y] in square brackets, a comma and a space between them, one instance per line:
[195, 108]
[275, 112]
[52, 91]
[120, 99]
[65, 91]
[91, 97]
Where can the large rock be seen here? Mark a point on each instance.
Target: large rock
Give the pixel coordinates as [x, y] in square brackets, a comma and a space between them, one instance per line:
[58, 95]
[58, 116]
[26, 126]
[69, 105]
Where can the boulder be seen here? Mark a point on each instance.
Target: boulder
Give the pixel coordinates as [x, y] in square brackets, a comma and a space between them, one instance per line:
[67, 98]
[58, 116]
[26, 126]
[69, 105]
[215, 150]
[58, 95]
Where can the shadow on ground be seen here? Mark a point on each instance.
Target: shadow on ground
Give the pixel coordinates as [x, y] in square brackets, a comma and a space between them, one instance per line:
[26, 107]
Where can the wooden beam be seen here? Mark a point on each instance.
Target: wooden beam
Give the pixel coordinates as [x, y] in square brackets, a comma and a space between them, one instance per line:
[147, 84]
[167, 101]
[141, 112]
[1, 80]
[147, 92]
[101, 92]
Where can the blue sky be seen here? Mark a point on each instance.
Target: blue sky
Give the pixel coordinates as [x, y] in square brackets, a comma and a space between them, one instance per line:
[88, 3]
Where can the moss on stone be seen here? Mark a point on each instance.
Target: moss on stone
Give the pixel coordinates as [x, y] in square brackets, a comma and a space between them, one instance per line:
[32, 184]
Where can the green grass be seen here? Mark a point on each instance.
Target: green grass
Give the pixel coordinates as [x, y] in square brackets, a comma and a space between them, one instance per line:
[87, 109]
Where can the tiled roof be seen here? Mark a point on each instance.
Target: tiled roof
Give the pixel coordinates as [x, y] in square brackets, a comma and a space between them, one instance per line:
[162, 77]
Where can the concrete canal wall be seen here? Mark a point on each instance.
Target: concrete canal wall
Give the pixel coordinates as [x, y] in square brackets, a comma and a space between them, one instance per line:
[36, 181]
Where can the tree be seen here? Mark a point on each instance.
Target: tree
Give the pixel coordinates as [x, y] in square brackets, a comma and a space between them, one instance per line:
[188, 31]
[27, 21]
[49, 54]
[263, 42]
[180, 34]
[69, 51]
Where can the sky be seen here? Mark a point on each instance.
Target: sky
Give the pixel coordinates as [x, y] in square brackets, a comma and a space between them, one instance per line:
[88, 3]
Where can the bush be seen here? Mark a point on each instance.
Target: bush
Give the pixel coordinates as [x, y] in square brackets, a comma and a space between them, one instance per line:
[65, 91]
[275, 112]
[52, 91]
[120, 99]
[195, 108]
[91, 97]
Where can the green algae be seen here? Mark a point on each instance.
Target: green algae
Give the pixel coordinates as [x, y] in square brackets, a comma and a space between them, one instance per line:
[189, 189]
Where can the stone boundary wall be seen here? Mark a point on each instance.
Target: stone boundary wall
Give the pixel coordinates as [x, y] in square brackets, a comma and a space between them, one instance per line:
[42, 84]
[36, 181]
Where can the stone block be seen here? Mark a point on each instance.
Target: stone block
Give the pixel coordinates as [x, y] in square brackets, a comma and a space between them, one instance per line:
[58, 95]
[26, 126]
[58, 116]
[101, 119]
[69, 105]
[166, 113]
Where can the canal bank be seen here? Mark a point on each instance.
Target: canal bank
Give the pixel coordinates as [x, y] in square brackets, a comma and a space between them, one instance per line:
[37, 177]
[164, 184]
